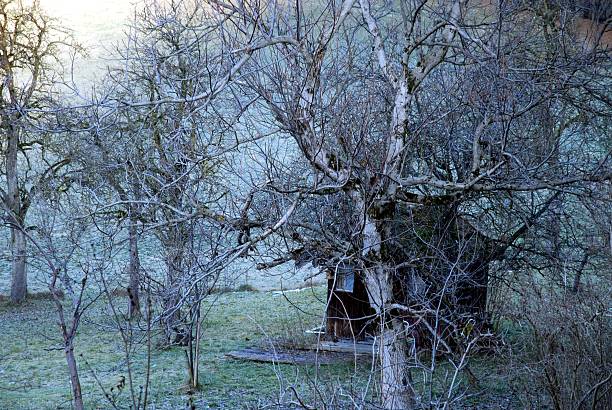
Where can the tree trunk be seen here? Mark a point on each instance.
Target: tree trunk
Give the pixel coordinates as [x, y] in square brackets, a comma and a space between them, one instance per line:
[397, 392]
[394, 353]
[74, 376]
[19, 284]
[175, 245]
[134, 272]
[68, 337]
[175, 240]
[577, 285]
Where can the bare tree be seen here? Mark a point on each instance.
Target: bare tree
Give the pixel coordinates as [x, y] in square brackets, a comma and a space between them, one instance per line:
[30, 65]
[177, 146]
[416, 127]
[61, 250]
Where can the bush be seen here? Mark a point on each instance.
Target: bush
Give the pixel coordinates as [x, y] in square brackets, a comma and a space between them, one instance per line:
[567, 348]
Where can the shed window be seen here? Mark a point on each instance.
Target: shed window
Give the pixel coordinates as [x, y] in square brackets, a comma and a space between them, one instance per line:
[345, 282]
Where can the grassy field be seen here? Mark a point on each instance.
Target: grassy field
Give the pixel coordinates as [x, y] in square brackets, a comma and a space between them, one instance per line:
[33, 371]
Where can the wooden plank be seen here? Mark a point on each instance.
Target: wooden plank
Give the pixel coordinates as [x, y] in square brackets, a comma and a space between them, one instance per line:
[347, 346]
[288, 357]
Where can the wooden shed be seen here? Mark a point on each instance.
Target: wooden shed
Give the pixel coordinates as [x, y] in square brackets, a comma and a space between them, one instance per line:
[349, 315]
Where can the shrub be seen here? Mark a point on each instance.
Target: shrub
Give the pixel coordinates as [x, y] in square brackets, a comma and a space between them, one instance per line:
[567, 348]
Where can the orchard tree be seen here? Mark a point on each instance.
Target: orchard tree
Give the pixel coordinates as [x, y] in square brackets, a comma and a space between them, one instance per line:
[30, 68]
[158, 144]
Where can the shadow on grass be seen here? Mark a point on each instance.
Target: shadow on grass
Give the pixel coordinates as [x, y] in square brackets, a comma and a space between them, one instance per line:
[6, 300]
